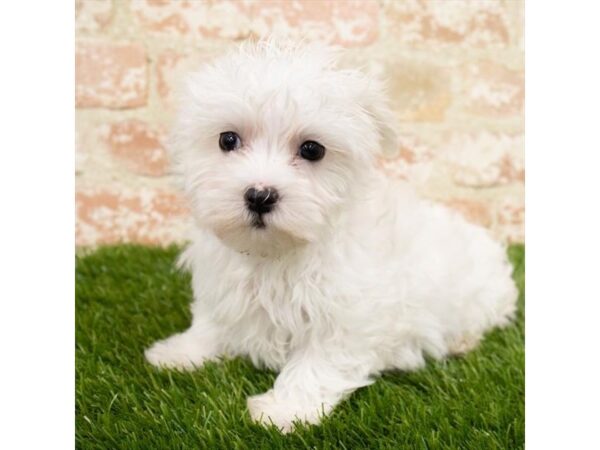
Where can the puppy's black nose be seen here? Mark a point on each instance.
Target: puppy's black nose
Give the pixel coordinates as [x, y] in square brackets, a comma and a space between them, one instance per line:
[261, 201]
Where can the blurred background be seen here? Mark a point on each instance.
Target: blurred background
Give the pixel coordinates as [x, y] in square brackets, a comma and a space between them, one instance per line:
[456, 80]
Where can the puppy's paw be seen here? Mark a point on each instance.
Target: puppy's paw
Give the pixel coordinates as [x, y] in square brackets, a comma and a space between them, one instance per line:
[267, 410]
[177, 352]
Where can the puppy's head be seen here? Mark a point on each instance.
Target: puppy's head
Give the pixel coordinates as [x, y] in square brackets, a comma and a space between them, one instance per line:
[274, 142]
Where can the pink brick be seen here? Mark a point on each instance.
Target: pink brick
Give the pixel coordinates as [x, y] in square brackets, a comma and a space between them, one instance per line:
[419, 91]
[93, 15]
[474, 211]
[170, 70]
[138, 146]
[110, 75]
[166, 65]
[437, 24]
[111, 216]
[412, 161]
[345, 22]
[511, 219]
[484, 159]
[493, 90]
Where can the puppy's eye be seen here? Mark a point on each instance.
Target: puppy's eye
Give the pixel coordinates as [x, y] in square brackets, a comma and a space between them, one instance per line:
[229, 141]
[312, 151]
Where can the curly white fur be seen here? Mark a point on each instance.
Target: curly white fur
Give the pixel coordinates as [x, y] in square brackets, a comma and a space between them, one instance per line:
[352, 274]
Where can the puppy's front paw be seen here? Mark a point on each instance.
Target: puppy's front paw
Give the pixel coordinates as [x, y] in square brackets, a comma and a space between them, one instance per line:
[177, 352]
[266, 410]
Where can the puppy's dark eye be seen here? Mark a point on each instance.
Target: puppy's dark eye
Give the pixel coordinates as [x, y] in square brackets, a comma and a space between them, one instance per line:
[312, 151]
[229, 141]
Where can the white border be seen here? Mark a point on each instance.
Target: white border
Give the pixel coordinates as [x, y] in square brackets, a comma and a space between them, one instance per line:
[563, 225]
[37, 225]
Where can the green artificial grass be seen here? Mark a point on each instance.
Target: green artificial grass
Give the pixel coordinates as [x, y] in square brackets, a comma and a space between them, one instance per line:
[127, 297]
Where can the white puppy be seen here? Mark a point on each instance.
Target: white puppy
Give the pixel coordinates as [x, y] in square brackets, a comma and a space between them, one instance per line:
[304, 258]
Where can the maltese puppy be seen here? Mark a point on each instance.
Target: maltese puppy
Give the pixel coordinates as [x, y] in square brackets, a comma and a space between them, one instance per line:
[304, 257]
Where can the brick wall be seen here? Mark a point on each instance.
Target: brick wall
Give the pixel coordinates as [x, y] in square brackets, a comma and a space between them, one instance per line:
[456, 74]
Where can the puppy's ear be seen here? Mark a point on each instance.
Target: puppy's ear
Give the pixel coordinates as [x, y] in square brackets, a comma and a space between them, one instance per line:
[376, 104]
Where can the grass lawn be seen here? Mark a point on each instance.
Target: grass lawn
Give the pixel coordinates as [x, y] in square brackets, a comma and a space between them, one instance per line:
[130, 296]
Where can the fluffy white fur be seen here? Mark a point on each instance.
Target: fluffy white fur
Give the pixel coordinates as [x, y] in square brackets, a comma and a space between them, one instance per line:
[352, 274]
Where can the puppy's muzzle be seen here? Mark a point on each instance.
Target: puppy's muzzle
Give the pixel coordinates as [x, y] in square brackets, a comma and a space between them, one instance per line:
[261, 201]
